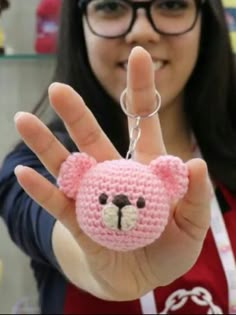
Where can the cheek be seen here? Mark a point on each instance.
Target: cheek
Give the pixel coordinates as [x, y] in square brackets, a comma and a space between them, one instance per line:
[184, 54]
[105, 68]
[103, 55]
[187, 49]
[96, 51]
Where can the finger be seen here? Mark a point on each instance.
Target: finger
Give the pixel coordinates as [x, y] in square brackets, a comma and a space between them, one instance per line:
[193, 213]
[55, 203]
[41, 141]
[142, 100]
[80, 123]
[48, 196]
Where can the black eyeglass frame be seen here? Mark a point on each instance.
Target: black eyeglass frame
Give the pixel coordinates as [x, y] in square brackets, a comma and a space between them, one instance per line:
[135, 5]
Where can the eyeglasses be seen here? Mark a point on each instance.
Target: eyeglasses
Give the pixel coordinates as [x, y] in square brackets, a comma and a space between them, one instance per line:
[115, 18]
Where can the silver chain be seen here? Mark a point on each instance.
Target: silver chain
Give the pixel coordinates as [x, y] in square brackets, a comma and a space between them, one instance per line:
[135, 134]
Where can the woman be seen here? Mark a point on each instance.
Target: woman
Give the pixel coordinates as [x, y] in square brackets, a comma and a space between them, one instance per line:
[185, 42]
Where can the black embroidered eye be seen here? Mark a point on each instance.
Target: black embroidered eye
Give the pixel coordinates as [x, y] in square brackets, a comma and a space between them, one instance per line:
[140, 202]
[103, 199]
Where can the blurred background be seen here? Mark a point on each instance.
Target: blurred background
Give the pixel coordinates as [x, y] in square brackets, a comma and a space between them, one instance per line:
[28, 30]
[27, 47]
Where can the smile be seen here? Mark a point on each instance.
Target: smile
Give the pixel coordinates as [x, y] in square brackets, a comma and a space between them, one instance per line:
[157, 65]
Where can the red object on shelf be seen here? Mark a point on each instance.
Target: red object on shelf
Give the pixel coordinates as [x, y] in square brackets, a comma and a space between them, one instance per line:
[47, 18]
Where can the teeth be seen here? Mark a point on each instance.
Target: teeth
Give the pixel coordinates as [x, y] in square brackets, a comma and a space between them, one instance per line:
[157, 65]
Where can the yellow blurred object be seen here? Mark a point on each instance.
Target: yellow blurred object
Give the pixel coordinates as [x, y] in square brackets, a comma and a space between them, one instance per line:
[0, 270]
[233, 40]
[230, 14]
[230, 3]
[1, 38]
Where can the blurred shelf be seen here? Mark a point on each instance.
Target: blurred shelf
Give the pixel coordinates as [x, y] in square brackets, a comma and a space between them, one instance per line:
[27, 56]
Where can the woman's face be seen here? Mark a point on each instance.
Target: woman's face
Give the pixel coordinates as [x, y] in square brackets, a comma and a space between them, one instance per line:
[174, 57]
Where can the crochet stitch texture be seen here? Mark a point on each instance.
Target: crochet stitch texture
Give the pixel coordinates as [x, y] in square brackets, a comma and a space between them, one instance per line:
[123, 204]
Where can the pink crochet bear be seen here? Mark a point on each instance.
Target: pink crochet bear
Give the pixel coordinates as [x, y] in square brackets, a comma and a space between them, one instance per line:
[123, 204]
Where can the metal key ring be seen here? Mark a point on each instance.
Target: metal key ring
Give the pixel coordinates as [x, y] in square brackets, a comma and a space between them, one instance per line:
[135, 116]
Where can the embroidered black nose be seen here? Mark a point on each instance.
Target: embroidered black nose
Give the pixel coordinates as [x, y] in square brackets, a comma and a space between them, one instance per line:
[121, 201]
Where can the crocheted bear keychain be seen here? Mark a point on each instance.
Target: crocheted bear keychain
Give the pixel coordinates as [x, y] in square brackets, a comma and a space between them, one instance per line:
[123, 204]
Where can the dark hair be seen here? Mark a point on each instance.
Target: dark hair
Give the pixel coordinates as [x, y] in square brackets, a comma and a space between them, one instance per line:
[4, 4]
[210, 97]
[210, 94]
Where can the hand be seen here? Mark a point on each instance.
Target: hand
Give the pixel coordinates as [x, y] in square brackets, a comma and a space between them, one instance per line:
[158, 264]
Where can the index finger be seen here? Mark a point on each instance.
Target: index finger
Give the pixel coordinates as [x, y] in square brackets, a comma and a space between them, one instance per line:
[142, 100]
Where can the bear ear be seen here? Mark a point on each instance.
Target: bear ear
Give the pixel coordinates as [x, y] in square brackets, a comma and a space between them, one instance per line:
[174, 174]
[71, 172]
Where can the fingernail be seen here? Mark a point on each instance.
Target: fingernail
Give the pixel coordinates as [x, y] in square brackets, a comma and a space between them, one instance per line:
[54, 84]
[17, 115]
[18, 169]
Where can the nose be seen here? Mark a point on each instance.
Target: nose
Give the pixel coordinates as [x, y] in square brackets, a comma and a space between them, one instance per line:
[142, 31]
[121, 201]
[120, 215]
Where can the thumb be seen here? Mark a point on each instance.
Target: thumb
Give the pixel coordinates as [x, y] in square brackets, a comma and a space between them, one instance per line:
[193, 213]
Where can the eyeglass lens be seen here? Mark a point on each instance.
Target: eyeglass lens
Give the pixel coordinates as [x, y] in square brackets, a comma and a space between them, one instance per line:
[113, 17]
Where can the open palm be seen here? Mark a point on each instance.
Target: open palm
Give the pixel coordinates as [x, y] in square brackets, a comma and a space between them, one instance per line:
[119, 275]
